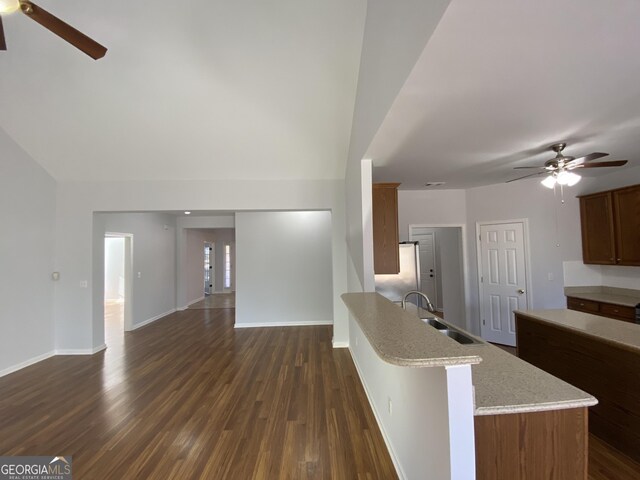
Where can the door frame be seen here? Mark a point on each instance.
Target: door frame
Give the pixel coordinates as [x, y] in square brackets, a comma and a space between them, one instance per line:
[527, 264]
[128, 277]
[465, 265]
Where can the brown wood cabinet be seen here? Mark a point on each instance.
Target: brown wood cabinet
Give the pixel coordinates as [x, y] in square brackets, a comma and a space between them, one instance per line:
[386, 258]
[550, 445]
[610, 310]
[611, 227]
[607, 370]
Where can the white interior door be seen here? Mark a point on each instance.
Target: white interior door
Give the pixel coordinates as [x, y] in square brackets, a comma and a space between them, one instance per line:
[427, 248]
[502, 280]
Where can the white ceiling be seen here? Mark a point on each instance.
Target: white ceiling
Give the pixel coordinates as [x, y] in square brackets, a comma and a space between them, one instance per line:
[501, 80]
[188, 90]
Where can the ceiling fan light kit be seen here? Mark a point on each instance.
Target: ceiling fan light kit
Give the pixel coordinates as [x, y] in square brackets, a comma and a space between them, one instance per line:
[53, 24]
[9, 6]
[560, 168]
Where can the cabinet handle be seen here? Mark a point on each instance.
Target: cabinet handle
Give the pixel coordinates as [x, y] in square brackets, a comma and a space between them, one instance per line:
[618, 260]
[615, 310]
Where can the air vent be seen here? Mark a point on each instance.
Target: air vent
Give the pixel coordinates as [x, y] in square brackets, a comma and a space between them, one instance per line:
[434, 184]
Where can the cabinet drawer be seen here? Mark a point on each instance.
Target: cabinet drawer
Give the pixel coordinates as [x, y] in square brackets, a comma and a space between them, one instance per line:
[581, 305]
[618, 311]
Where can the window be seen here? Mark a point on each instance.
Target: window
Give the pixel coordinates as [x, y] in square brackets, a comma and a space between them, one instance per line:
[227, 266]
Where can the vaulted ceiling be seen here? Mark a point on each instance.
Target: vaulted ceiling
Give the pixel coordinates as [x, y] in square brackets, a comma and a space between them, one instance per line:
[264, 90]
[188, 90]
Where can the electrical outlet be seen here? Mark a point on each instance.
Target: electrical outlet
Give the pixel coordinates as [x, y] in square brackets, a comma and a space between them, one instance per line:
[84, 284]
[390, 406]
[139, 274]
[550, 276]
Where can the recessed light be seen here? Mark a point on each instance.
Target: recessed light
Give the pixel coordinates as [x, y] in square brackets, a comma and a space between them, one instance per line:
[434, 184]
[187, 213]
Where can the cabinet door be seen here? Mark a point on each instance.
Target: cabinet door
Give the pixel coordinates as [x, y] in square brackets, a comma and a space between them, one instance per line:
[596, 214]
[626, 203]
[386, 257]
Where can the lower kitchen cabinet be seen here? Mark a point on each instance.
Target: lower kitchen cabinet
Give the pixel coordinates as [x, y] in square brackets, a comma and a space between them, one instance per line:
[610, 310]
[549, 445]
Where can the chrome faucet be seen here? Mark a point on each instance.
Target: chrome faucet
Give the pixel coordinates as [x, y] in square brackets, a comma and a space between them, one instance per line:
[430, 306]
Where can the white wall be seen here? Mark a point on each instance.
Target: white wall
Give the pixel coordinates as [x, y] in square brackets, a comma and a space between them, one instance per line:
[154, 261]
[429, 430]
[430, 207]
[452, 275]
[359, 203]
[395, 34]
[283, 268]
[27, 214]
[79, 312]
[113, 268]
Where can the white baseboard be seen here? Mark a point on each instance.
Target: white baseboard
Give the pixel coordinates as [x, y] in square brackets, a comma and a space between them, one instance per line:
[392, 453]
[281, 324]
[151, 320]
[340, 344]
[80, 351]
[26, 363]
[190, 303]
[44, 356]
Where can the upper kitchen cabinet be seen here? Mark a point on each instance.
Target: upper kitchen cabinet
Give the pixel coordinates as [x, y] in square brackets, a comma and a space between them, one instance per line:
[611, 227]
[626, 206]
[596, 216]
[386, 257]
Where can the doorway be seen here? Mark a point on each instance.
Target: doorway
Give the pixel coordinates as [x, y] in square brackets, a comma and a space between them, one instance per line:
[118, 271]
[503, 277]
[209, 276]
[442, 265]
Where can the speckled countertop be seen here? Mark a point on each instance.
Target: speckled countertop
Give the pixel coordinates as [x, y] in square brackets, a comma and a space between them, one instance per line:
[613, 295]
[401, 338]
[624, 334]
[502, 382]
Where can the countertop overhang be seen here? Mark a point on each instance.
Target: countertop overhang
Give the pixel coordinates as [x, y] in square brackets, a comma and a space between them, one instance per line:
[502, 382]
[401, 338]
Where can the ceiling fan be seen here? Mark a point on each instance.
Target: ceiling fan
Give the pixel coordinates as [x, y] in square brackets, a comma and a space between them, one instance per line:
[52, 23]
[560, 169]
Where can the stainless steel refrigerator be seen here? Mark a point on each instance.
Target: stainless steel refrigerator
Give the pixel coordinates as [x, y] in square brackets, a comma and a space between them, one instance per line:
[395, 286]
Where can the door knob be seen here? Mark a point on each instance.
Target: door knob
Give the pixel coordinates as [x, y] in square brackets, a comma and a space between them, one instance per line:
[521, 291]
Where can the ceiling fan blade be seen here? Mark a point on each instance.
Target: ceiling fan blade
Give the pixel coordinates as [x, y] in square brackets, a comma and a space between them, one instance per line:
[63, 30]
[526, 176]
[615, 163]
[521, 168]
[3, 42]
[586, 158]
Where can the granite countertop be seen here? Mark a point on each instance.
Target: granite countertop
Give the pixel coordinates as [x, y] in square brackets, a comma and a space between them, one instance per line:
[502, 382]
[624, 334]
[505, 384]
[616, 296]
[401, 338]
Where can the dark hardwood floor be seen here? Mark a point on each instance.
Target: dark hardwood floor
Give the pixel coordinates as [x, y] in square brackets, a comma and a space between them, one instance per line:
[190, 397]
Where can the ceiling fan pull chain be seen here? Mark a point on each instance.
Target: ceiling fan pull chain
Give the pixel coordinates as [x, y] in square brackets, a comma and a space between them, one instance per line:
[555, 209]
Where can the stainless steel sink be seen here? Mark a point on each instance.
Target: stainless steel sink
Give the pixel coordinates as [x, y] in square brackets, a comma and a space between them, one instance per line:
[434, 323]
[459, 337]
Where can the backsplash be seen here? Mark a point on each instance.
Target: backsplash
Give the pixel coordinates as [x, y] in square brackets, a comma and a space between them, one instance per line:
[577, 274]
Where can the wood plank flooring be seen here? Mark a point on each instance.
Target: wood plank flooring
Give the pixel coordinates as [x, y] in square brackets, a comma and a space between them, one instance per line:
[216, 300]
[190, 397]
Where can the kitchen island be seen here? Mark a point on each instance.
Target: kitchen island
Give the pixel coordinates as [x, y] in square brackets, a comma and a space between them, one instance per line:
[597, 354]
[527, 423]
